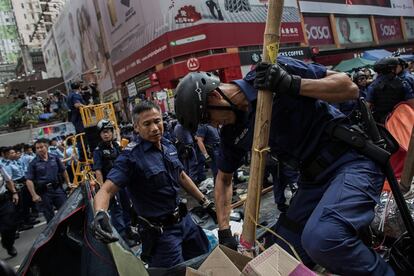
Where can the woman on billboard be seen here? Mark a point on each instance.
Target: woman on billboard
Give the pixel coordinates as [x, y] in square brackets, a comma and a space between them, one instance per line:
[345, 30]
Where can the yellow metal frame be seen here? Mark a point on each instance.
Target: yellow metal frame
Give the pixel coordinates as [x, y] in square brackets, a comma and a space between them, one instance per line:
[92, 114]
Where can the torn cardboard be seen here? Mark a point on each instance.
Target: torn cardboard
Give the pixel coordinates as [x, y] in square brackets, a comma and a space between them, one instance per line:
[275, 261]
[221, 261]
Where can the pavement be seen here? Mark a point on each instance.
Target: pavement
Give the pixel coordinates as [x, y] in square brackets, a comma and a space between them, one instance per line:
[23, 245]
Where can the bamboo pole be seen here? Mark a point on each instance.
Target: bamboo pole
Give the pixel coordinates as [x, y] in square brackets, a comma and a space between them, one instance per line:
[262, 126]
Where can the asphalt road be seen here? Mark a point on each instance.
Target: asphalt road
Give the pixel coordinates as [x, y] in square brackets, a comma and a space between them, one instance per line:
[22, 244]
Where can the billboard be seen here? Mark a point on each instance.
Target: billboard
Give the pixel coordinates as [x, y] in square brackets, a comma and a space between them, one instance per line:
[353, 30]
[374, 7]
[51, 57]
[181, 26]
[79, 45]
[409, 27]
[388, 28]
[318, 30]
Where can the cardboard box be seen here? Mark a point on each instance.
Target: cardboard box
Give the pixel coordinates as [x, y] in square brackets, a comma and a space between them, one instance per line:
[275, 261]
[221, 262]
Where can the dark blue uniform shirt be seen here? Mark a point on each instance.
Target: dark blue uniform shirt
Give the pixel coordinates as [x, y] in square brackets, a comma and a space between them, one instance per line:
[151, 175]
[209, 133]
[45, 171]
[408, 91]
[297, 127]
[104, 156]
[75, 116]
[183, 135]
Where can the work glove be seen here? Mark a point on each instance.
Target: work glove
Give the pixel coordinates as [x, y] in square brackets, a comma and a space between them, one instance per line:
[210, 209]
[207, 158]
[274, 78]
[227, 239]
[102, 228]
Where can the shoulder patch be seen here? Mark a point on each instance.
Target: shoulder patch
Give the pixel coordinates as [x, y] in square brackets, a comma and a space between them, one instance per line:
[131, 146]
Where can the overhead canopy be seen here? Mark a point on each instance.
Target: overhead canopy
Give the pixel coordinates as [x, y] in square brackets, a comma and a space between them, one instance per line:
[407, 58]
[350, 65]
[376, 54]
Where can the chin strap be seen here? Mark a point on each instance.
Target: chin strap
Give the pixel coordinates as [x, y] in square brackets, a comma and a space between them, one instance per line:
[232, 106]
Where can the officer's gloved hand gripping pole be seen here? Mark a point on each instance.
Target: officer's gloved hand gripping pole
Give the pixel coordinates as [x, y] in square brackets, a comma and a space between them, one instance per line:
[261, 129]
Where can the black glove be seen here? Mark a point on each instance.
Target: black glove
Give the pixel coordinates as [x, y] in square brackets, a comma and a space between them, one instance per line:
[102, 228]
[274, 78]
[211, 210]
[227, 239]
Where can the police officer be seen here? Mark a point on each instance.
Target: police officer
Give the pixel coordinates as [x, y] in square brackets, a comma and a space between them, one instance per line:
[27, 156]
[75, 101]
[54, 148]
[208, 140]
[7, 212]
[338, 188]
[186, 151]
[44, 180]
[388, 89]
[404, 73]
[151, 170]
[104, 157]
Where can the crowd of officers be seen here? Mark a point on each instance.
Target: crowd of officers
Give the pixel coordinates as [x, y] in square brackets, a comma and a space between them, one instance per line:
[214, 127]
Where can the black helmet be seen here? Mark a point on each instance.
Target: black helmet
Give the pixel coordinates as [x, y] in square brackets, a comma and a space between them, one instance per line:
[385, 65]
[75, 85]
[105, 124]
[358, 75]
[191, 98]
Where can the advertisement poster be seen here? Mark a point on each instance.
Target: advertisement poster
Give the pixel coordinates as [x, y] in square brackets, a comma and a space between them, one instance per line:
[388, 28]
[409, 27]
[375, 7]
[51, 57]
[131, 26]
[79, 45]
[353, 30]
[318, 30]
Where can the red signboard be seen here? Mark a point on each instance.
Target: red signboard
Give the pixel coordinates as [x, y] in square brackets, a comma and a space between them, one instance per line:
[388, 28]
[318, 30]
[199, 38]
[193, 64]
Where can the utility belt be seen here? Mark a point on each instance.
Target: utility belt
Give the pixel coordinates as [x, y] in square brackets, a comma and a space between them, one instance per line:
[43, 187]
[151, 228]
[212, 146]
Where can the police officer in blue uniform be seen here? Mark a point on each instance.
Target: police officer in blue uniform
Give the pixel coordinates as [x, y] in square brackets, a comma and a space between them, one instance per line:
[208, 140]
[186, 151]
[151, 170]
[44, 179]
[388, 89]
[338, 188]
[75, 101]
[8, 198]
[104, 157]
[54, 148]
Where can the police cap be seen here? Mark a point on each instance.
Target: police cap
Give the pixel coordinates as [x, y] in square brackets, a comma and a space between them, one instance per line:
[385, 65]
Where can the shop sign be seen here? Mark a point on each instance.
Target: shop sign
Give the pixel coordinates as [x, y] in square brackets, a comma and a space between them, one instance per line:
[388, 28]
[111, 97]
[162, 95]
[353, 30]
[193, 64]
[318, 30]
[170, 93]
[132, 89]
[409, 27]
[253, 57]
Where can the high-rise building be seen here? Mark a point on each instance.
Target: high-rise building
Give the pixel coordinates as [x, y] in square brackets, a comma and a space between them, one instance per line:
[9, 44]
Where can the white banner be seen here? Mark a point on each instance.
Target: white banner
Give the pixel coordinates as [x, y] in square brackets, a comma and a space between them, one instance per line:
[367, 7]
[51, 57]
[80, 45]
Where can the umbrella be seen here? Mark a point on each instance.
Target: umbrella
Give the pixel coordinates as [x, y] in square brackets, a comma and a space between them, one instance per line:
[376, 54]
[350, 65]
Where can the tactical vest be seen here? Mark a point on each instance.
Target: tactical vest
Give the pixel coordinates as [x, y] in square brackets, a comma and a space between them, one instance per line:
[388, 93]
[109, 154]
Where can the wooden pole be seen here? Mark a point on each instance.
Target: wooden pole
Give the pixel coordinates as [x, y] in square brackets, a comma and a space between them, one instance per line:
[262, 126]
[408, 170]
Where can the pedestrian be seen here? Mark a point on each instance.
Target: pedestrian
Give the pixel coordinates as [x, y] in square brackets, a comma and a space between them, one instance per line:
[208, 141]
[8, 199]
[338, 188]
[44, 180]
[75, 102]
[149, 167]
[388, 89]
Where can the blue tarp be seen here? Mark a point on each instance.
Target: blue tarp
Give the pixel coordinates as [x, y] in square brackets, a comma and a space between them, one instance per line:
[407, 58]
[376, 54]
